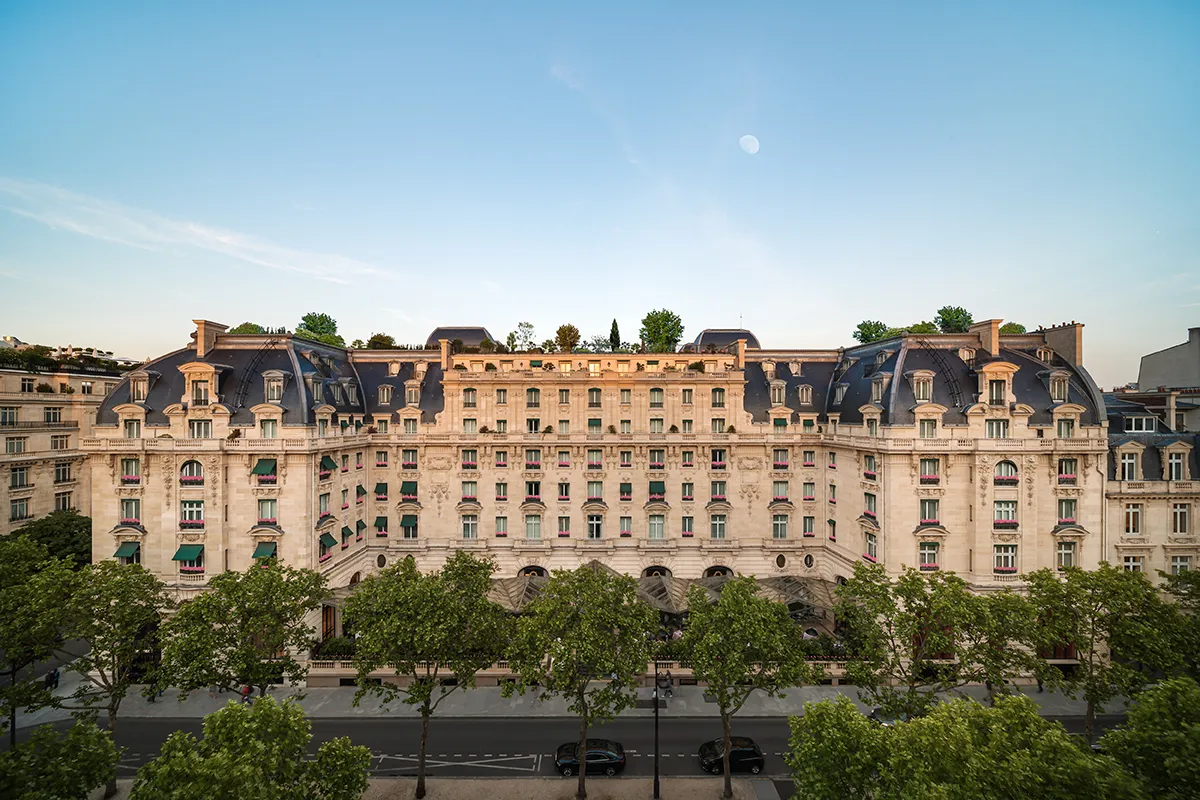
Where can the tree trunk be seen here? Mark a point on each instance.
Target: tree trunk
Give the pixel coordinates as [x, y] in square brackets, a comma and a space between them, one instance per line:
[1089, 721]
[728, 793]
[110, 788]
[581, 757]
[421, 755]
[12, 713]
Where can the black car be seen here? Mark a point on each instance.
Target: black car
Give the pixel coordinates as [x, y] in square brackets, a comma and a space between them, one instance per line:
[603, 756]
[744, 755]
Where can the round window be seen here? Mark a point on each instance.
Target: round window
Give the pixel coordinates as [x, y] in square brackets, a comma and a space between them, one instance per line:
[809, 561]
[781, 561]
[381, 562]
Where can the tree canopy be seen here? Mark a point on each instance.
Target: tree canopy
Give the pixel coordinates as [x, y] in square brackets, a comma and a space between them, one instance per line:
[381, 341]
[661, 331]
[254, 752]
[614, 337]
[1010, 328]
[870, 330]
[245, 630]
[320, 327]
[567, 338]
[523, 337]
[58, 766]
[247, 327]
[953, 319]
[67, 534]
[1159, 742]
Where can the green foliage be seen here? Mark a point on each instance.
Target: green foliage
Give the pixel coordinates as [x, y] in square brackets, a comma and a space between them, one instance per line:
[357, 344]
[1012, 328]
[1160, 740]
[487, 346]
[598, 344]
[244, 630]
[614, 337]
[1101, 612]
[510, 342]
[549, 345]
[870, 330]
[661, 331]
[585, 638]
[961, 751]
[953, 319]
[66, 534]
[58, 766]
[254, 752]
[524, 336]
[741, 643]
[922, 328]
[426, 628]
[381, 341]
[567, 338]
[248, 327]
[319, 327]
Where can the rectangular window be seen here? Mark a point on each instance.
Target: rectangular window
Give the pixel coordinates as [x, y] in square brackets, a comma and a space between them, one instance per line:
[780, 459]
[8, 415]
[779, 526]
[18, 478]
[928, 429]
[929, 511]
[267, 511]
[718, 490]
[564, 491]
[470, 526]
[810, 490]
[810, 458]
[267, 428]
[1179, 518]
[1066, 469]
[1066, 510]
[595, 458]
[131, 470]
[322, 427]
[564, 526]
[470, 426]
[408, 459]
[626, 526]
[60, 442]
[656, 527]
[717, 526]
[595, 426]
[62, 472]
[1066, 428]
[470, 399]
[809, 526]
[501, 458]
[1065, 555]
[200, 429]
[876, 391]
[564, 427]
[779, 490]
[1133, 519]
[533, 425]
[133, 429]
[595, 490]
[833, 492]
[14, 445]
[922, 390]
[533, 458]
[927, 555]
[501, 490]
[381, 458]
[502, 526]
[18, 510]
[533, 490]
[131, 510]
[1004, 558]
[1180, 564]
[869, 503]
[1140, 424]
[1004, 511]
[533, 526]
[832, 525]
[533, 398]
[996, 429]
[52, 415]
[718, 458]
[872, 427]
[626, 426]
[656, 425]
[718, 398]
[718, 424]
[1132, 563]
[656, 398]
[626, 397]
[872, 546]
[62, 501]
[191, 511]
[658, 459]
[1128, 467]
[687, 397]
[833, 460]
[1175, 467]
[626, 491]
[323, 503]
[27, 385]
[997, 393]
[595, 526]
[564, 397]
[470, 458]
[593, 398]
[687, 491]
[470, 490]
[502, 397]
[385, 394]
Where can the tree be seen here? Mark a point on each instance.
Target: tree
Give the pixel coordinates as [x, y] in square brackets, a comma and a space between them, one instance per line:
[115, 609]
[598, 344]
[906, 637]
[741, 643]
[245, 630]
[1111, 618]
[549, 345]
[1184, 587]
[585, 638]
[953, 319]
[661, 331]
[58, 766]
[870, 330]
[320, 328]
[254, 752]
[996, 642]
[961, 751]
[357, 344]
[1012, 327]
[66, 533]
[567, 338]
[1160, 740]
[487, 346]
[381, 341]
[510, 341]
[614, 337]
[30, 623]
[426, 628]
[524, 336]
[248, 327]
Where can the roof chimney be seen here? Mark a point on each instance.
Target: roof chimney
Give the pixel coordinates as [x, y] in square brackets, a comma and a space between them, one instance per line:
[444, 344]
[1067, 341]
[988, 332]
[206, 335]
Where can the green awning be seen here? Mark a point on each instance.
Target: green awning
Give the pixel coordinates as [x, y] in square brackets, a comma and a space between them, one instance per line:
[328, 540]
[655, 361]
[360, 490]
[360, 525]
[626, 488]
[127, 550]
[781, 422]
[265, 466]
[408, 487]
[408, 521]
[381, 488]
[345, 424]
[658, 487]
[381, 523]
[265, 550]
[188, 552]
[358, 424]
[328, 463]
[346, 532]
[535, 362]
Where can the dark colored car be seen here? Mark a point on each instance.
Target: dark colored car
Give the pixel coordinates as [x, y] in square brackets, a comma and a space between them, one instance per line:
[603, 757]
[744, 755]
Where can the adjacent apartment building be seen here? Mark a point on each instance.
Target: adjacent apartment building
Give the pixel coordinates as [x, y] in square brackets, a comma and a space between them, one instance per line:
[981, 453]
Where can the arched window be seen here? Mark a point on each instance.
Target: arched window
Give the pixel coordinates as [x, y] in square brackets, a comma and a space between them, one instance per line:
[355, 578]
[718, 572]
[192, 473]
[656, 572]
[806, 395]
[533, 571]
[1006, 469]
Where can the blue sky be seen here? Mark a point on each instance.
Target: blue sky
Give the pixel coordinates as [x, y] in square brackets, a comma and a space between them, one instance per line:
[402, 166]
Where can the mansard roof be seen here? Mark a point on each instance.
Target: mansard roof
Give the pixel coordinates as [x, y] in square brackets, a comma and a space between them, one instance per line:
[470, 336]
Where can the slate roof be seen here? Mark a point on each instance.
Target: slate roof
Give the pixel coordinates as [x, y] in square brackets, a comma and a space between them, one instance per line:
[471, 336]
[1152, 467]
[721, 338]
[758, 389]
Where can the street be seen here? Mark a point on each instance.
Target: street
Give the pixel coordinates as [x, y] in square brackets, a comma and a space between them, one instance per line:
[510, 747]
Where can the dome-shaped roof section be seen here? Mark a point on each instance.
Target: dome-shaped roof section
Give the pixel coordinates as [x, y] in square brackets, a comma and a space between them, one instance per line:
[470, 336]
[721, 338]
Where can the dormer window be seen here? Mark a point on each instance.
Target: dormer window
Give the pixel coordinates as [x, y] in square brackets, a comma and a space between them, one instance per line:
[1129, 467]
[137, 390]
[352, 393]
[1140, 424]
[997, 392]
[1058, 389]
[335, 392]
[199, 393]
[393, 368]
[806, 395]
[1045, 354]
[778, 390]
[876, 391]
[880, 357]
[274, 390]
[412, 395]
[923, 389]
[839, 394]
[385, 395]
[967, 354]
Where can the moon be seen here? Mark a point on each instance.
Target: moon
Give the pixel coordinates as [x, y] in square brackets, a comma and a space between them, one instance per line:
[749, 144]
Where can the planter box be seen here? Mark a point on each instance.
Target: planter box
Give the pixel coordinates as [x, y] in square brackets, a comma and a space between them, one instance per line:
[268, 521]
[930, 479]
[1004, 524]
[1006, 480]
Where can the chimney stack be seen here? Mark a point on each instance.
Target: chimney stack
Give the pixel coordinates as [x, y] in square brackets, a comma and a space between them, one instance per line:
[988, 332]
[206, 335]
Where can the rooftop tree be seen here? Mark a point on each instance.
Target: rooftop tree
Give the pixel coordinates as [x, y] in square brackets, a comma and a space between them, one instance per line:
[1012, 328]
[567, 338]
[953, 319]
[739, 644]
[662, 331]
[426, 628]
[248, 327]
[524, 336]
[586, 639]
[245, 630]
[614, 337]
[320, 327]
[381, 341]
[870, 330]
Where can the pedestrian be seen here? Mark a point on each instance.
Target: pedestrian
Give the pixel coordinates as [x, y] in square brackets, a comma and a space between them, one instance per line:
[670, 687]
[57, 677]
[246, 693]
[48, 681]
[212, 691]
[1040, 686]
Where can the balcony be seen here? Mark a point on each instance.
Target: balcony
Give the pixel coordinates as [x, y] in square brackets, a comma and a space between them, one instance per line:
[869, 558]
[1066, 520]
[595, 465]
[930, 480]
[381, 498]
[1066, 480]
[408, 498]
[1004, 570]
[191, 524]
[718, 465]
[810, 464]
[381, 463]
[267, 480]
[687, 498]
[533, 498]
[719, 498]
[345, 506]
[929, 568]
[591, 499]
[657, 465]
[628, 465]
[869, 474]
[324, 558]
[470, 465]
[191, 480]
[562, 498]
[408, 465]
[1006, 480]
[808, 498]
[930, 521]
[780, 465]
[779, 498]
[625, 498]
[323, 516]
[324, 475]
[131, 521]
[657, 496]
[869, 514]
[499, 465]
[564, 464]
[533, 465]
[1004, 524]
[7, 426]
[268, 521]
[130, 480]
[501, 498]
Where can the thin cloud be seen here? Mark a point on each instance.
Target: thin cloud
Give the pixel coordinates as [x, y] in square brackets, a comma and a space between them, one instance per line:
[569, 77]
[65, 210]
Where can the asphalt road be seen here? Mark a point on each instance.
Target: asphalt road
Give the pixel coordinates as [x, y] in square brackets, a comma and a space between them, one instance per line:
[509, 747]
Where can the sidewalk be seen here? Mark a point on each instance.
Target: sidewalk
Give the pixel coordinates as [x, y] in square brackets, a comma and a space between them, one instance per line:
[337, 703]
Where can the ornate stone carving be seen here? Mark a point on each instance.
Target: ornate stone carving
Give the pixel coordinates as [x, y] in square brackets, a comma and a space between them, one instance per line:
[129, 491]
[748, 492]
[1006, 537]
[750, 462]
[438, 462]
[930, 492]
